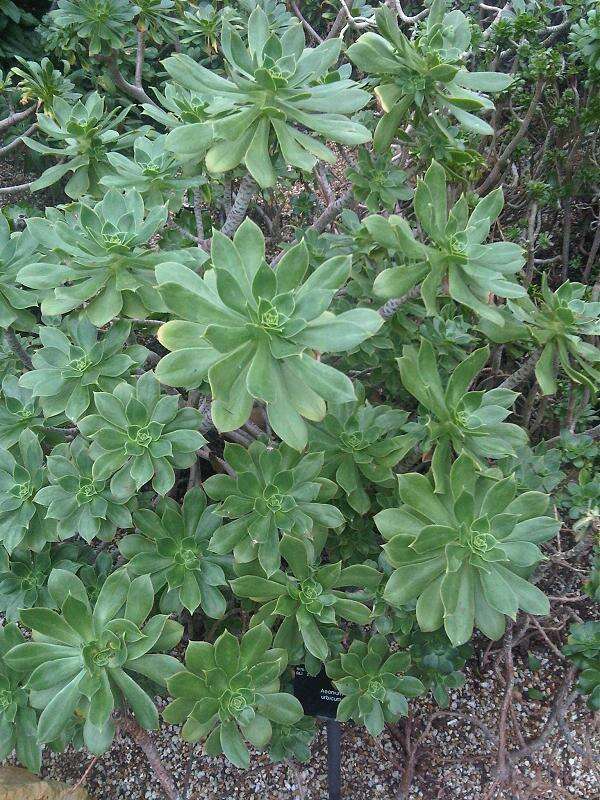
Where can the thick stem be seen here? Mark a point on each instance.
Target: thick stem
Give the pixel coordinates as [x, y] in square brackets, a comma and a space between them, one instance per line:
[18, 141]
[144, 742]
[18, 116]
[135, 92]
[21, 187]
[139, 58]
[305, 23]
[15, 345]
[524, 371]
[198, 215]
[237, 214]
[389, 309]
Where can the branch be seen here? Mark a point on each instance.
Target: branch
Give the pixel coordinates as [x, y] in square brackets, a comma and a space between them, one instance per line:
[21, 187]
[145, 743]
[15, 345]
[389, 309]
[305, 24]
[139, 58]
[17, 116]
[19, 140]
[594, 433]
[236, 215]
[559, 708]
[136, 92]
[523, 372]
[510, 147]
[397, 6]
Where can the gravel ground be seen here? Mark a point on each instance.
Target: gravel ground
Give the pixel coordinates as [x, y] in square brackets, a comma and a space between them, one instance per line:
[456, 760]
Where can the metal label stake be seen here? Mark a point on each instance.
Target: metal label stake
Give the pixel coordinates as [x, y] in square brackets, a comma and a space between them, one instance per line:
[320, 699]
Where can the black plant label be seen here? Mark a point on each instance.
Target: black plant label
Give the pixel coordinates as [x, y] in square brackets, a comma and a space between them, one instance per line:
[316, 693]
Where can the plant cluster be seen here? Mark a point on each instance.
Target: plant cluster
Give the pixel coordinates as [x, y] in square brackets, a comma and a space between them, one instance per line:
[313, 425]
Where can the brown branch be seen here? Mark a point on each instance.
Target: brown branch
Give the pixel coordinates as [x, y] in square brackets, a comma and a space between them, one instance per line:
[144, 742]
[305, 23]
[21, 187]
[388, 309]
[246, 191]
[17, 116]
[11, 339]
[19, 140]
[503, 158]
[139, 57]
[523, 372]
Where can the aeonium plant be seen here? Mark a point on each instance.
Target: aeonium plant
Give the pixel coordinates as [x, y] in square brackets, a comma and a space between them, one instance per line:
[81, 504]
[310, 598]
[230, 694]
[140, 435]
[95, 659]
[171, 545]
[425, 80]
[457, 261]
[98, 258]
[274, 491]
[70, 365]
[374, 692]
[455, 418]
[22, 520]
[462, 553]
[275, 90]
[18, 720]
[257, 333]
[361, 445]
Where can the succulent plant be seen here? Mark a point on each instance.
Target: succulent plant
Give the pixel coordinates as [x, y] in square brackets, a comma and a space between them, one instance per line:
[274, 491]
[457, 257]
[22, 521]
[95, 658]
[19, 411]
[583, 648]
[18, 721]
[139, 435]
[70, 365]
[458, 420]
[172, 546]
[82, 134]
[424, 80]
[307, 595]
[78, 502]
[105, 262]
[360, 448]
[253, 332]
[275, 89]
[24, 576]
[367, 676]
[229, 693]
[461, 554]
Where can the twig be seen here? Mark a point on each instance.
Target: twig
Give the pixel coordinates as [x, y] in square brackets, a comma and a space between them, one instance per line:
[143, 740]
[389, 309]
[305, 24]
[503, 770]
[198, 216]
[83, 778]
[503, 158]
[18, 116]
[21, 187]
[139, 57]
[19, 140]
